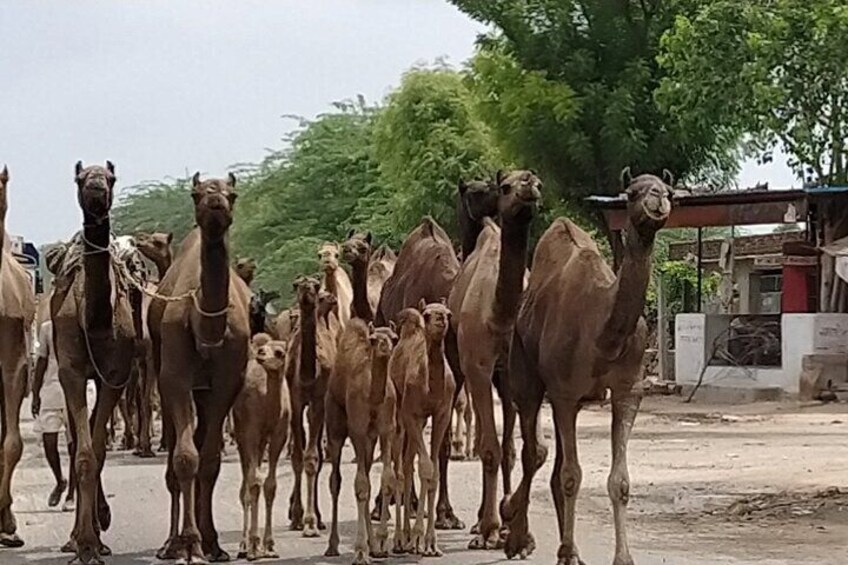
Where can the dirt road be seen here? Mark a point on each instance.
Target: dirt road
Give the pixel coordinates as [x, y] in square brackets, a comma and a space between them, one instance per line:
[711, 485]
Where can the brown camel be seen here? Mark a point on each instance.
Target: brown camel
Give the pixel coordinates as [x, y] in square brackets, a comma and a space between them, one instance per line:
[335, 280]
[286, 323]
[380, 268]
[361, 404]
[580, 332]
[357, 252]
[245, 268]
[485, 300]
[200, 343]
[426, 388]
[312, 353]
[17, 310]
[156, 247]
[262, 414]
[94, 335]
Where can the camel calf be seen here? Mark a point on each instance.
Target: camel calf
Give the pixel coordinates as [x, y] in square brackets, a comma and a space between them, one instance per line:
[262, 415]
[464, 441]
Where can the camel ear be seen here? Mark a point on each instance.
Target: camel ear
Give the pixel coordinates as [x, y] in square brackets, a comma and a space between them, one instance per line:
[350, 233]
[667, 177]
[370, 327]
[170, 238]
[392, 326]
[462, 186]
[110, 167]
[368, 237]
[78, 169]
[422, 304]
[499, 176]
[231, 179]
[626, 177]
[4, 174]
[195, 180]
[443, 301]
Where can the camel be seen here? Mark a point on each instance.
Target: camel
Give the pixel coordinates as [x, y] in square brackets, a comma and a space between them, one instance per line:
[579, 333]
[94, 336]
[357, 252]
[426, 388]
[485, 300]
[463, 446]
[262, 414]
[156, 247]
[361, 404]
[245, 268]
[335, 280]
[200, 343]
[312, 353]
[259, 323]
[286, 323]
[17, 311]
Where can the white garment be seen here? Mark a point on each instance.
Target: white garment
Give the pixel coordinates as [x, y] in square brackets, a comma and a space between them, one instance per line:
[52, 396]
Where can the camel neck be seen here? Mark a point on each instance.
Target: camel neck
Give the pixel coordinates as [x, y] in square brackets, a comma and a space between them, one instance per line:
[98, 285]
[4, 205]
[630, 287]
[469, 229]
[379, 378]
[331, 284]
[214, 287]
[162, 265]
[511, 267]
[308, 343]
[361, 307]
[436, 363]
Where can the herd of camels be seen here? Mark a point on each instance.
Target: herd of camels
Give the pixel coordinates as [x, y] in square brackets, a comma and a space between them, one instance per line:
[366, 357]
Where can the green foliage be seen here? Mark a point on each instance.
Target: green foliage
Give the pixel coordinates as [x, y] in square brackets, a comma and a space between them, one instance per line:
[426, 139]
[163, 206]
[680, 277]
[569, 89]
[773, 70]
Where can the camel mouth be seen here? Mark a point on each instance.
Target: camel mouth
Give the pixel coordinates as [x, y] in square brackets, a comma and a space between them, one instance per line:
[657, 208]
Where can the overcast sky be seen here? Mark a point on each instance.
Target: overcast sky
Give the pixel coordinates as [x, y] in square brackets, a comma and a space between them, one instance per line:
[162, 88]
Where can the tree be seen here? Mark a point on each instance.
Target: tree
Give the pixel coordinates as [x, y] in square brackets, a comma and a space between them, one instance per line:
[569, 88]
[155, 206]
[775, 71]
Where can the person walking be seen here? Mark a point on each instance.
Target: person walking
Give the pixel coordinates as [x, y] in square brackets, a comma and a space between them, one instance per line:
[48, 407]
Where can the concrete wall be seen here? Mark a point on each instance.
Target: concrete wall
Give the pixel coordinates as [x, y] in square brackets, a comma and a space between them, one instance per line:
[802, 334]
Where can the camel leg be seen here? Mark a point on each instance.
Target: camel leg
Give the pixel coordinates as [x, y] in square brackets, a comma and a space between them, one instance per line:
[85, 541]
[297, 443]
[625, 405]
[125, 408]
[275, 449]
[107, 398]
[446, 519]
[490, 455]
[438, 440]
[400, 490]
[508, 440]
[12, 389]
[363, 448]
[169, 549]
[336, 435]
[458, 428]
[212, 415]
[468, 416]
[248, 448]
[380, 549]
[312, 467]
[144, 408]
[417, 448]
[569, 478]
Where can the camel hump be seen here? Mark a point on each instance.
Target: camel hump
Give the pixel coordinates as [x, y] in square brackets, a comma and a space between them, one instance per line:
[574, 234]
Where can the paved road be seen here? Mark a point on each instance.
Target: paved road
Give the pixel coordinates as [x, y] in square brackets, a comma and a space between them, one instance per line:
[140, 519]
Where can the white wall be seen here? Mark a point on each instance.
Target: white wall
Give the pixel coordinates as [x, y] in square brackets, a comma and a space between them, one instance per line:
[802, 334]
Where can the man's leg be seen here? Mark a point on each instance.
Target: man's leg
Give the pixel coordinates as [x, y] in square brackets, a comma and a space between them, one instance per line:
[51, 452]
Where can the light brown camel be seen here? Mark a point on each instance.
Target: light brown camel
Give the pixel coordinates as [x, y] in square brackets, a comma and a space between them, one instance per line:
[156, 247]
[262, 414]
[426, 389]
[94, 335]
[463, 446]
[200, 346]
[245, 268]
[485, 301]
[312, 353]
[357, 253]
[286, 323]
[335, 279]
[361, 404]
[380, 268]
[17, 310]
[580, 332]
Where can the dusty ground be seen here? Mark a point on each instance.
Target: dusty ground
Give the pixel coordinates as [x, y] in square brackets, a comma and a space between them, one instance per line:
[712, 485]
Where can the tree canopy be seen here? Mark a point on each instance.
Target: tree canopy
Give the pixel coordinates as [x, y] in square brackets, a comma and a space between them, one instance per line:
[569, 88]
[775, 71]
[163, 206]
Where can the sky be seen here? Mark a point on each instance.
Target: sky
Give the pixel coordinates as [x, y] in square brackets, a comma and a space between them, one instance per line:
[164, 88]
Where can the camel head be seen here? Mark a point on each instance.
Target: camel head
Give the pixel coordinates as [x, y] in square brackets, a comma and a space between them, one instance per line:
[4, 180]
[410, 321]
[479, 199]
[306, 289]
[648, 204]
[155, 246]
[357, 248]
[328, 254]
[95, 190]
[520, 194]
[259, 340]
[383, 340]
[245, 268]
[327, 303]
[436, 319]
[272, 355]
[213, 204]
